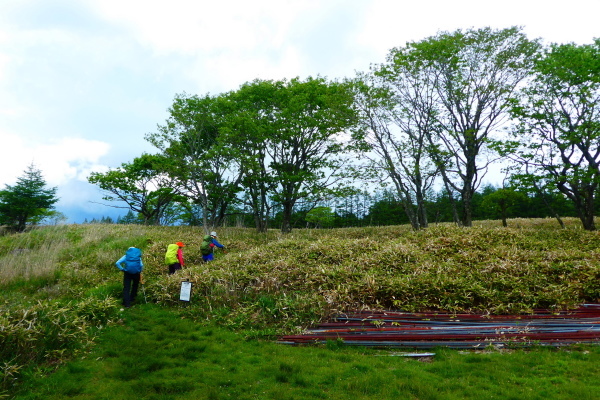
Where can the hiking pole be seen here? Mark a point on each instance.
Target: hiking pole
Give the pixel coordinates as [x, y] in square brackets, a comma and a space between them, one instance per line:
[143, 287]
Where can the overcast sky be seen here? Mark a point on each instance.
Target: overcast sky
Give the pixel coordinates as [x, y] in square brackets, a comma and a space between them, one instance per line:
[82, 81]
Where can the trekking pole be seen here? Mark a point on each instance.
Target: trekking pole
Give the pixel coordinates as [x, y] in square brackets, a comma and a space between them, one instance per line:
[143, 287]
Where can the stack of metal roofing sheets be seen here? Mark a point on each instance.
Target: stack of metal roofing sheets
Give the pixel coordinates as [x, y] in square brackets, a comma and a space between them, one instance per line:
[429, 330]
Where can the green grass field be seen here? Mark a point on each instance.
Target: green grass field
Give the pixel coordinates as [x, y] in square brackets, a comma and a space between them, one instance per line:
[152, 354]
[64, 335]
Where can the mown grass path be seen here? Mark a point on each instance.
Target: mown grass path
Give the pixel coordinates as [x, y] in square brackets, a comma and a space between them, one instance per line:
[154, 353]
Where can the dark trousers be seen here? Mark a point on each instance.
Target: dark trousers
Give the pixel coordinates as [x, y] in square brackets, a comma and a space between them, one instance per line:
[131, 283]
[173, 268]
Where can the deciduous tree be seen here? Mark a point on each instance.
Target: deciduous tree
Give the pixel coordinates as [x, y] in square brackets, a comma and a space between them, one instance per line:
[474, 74]
[398, 116]
[502, 202]
[203, 160]
[558, 134]
[321, 217]
[294, 132]
[143, 185]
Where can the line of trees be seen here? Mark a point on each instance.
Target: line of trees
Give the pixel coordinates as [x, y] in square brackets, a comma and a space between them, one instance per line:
[434, 116]
[385, 208]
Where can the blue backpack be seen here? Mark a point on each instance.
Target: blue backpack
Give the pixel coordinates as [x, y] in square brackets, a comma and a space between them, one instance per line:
[133, 260]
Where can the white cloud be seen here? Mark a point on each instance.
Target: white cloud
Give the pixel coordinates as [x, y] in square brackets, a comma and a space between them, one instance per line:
[221, 45]
[4, 61]
[188, 27]
[60, 161]
[390, 23]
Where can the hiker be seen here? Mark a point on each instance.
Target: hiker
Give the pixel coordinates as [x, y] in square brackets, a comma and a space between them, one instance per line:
[209, 242]
[131, 264]
[174, 257]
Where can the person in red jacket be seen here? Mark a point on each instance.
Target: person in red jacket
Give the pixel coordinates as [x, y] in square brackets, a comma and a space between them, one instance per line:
[174, 257]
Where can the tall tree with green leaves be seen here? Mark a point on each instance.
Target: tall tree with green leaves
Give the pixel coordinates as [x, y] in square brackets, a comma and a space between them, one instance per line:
[203, 160]
[143, 185]
[29, 201]
[249, 130]
[398, 115]
[558, 130]
[300, 128]
[474, 73]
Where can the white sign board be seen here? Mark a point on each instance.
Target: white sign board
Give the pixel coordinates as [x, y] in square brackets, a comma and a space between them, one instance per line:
[186, 291]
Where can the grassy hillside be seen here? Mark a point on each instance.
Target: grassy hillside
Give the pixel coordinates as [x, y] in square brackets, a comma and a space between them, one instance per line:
[154, 354]
[59, 287]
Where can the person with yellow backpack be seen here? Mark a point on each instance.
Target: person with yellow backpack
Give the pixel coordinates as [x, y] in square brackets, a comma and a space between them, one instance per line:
[174, 257]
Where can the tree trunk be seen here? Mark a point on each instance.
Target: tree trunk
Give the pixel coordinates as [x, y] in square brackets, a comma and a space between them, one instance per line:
[421, 209]
[586, 212]
[260, 223]
[286, 223]
[467, 217]
[583, 199]
[451, 198]
[410, 213]
[547, 203]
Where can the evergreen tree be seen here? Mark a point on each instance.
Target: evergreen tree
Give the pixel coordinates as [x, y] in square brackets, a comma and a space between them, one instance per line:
[129, 218]
[27, 202]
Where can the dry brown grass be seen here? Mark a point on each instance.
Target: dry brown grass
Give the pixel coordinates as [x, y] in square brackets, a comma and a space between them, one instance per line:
[27, 256]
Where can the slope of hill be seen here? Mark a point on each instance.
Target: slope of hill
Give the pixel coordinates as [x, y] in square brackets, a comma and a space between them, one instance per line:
[60, 286]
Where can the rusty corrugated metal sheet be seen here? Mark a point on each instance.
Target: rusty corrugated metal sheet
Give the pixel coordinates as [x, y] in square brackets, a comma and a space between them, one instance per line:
[428, 330]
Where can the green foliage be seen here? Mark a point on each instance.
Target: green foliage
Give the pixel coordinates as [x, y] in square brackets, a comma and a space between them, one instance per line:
[321, 217]
[288, 136]
[502, 203]
[27, 202]
[447, 94]
[203, 157]
[559, 125]
[48, 332]
[142, 184]
[299, 280]
[129, 218]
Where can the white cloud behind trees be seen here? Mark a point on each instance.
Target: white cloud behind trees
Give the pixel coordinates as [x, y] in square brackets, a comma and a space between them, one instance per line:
[82, 81]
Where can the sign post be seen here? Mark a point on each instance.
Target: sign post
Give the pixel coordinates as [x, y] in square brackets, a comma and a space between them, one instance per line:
[186, 291]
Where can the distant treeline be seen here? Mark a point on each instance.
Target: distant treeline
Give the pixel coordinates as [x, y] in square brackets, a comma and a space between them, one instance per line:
[380, 209]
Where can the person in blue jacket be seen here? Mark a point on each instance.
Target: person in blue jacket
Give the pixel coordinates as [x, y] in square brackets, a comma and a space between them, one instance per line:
[208, 246]
[131, 264]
